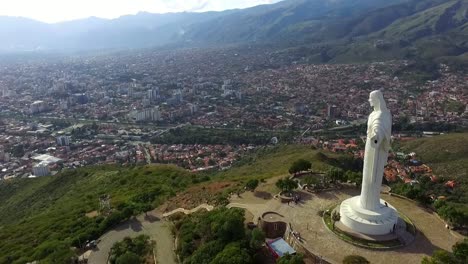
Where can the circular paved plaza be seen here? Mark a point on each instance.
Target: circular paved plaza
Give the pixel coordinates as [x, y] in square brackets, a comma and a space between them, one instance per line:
[304, 218]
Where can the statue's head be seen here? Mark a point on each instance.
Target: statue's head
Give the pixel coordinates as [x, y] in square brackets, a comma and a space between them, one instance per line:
[376, 100]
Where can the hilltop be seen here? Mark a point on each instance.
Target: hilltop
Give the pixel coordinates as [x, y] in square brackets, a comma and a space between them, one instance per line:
[41, 218]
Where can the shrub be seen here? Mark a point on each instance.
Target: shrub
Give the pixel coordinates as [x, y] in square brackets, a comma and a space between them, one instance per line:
[355, 259]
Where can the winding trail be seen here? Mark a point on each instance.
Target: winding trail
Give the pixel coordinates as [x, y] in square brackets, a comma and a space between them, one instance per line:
[189, 211]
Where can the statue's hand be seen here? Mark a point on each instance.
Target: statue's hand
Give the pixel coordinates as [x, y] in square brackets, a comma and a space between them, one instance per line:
[375, 141]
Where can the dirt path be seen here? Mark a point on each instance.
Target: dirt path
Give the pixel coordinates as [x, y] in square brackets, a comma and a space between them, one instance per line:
[151, 225]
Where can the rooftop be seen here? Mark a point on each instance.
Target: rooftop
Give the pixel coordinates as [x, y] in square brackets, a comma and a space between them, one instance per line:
[281, 247]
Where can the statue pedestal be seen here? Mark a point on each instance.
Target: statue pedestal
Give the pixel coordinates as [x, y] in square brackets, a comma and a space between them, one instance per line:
[377, 222]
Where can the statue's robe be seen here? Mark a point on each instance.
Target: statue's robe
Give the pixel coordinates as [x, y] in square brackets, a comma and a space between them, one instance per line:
[375, 158]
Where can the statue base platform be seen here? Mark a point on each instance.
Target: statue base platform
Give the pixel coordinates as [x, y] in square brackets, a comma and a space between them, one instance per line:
[377, 222]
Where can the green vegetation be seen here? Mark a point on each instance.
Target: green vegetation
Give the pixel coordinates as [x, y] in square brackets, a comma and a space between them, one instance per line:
[38, 215]
[336, 174]
[300, 165]
[42, 218]
[286, 185]
[269, 162]
[251, 184]
[132, 250]
[335, 217]
[197, 135]
[355, 259]
[217, 237]
[458, 256]
[291, 259]
[447, 155]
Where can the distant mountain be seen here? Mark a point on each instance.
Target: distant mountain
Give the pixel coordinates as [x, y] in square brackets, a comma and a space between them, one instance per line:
[331, 30]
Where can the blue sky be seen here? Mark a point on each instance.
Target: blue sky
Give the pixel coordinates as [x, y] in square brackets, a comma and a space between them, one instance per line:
[51, 11]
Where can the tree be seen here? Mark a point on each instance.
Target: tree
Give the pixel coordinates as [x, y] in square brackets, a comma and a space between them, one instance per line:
[291, 259]
[335, 217]
[286, 184]
[451, 214]
[300, 165]
[311, 181]
[355, 177]
[128, 258]
[252, 184]
[459, 255]
[460, 251]
[355, 259]
[232, 254]
[206, 252]
[146, 207]
[439, 257]
[257, 239]
[336, 174]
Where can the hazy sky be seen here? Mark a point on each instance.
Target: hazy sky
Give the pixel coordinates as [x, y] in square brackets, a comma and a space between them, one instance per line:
[61, 10]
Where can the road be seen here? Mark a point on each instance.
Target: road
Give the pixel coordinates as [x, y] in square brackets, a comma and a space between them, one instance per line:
[151, 225]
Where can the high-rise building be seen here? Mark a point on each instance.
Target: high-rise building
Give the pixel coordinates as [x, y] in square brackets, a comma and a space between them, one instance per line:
[153, 94]
[37, 107]
[193, 108]
[149, 114]
[63, 140]
[41, 169]
[332, 111]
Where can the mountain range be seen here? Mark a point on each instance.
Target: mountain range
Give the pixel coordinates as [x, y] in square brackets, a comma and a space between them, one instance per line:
[329, 30]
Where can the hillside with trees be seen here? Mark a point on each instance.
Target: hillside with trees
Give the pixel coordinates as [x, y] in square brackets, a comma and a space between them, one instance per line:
[42, 218]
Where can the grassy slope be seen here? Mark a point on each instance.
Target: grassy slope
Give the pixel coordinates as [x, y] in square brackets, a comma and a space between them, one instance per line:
[429, 31]
[274, 162]
[411, 25]
[34, 212]
[446, 154]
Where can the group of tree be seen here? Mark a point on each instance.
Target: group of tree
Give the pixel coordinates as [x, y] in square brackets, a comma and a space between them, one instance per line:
[453, 209]
[458, 256]
[300, 165]
[251, 184]
[195, 135]
[291, 259]
[451, 213]
[217, 237]
[131, 250]
[336, 174]
[287, 185]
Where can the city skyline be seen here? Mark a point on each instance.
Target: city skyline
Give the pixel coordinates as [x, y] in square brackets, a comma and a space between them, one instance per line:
[55, 11]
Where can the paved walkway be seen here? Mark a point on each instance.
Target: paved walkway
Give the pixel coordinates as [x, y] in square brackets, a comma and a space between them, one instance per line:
[151, 225]
[304, 218]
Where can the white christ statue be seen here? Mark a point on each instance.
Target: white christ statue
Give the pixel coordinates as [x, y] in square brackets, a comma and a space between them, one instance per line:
[379, 126]
[367, 213]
